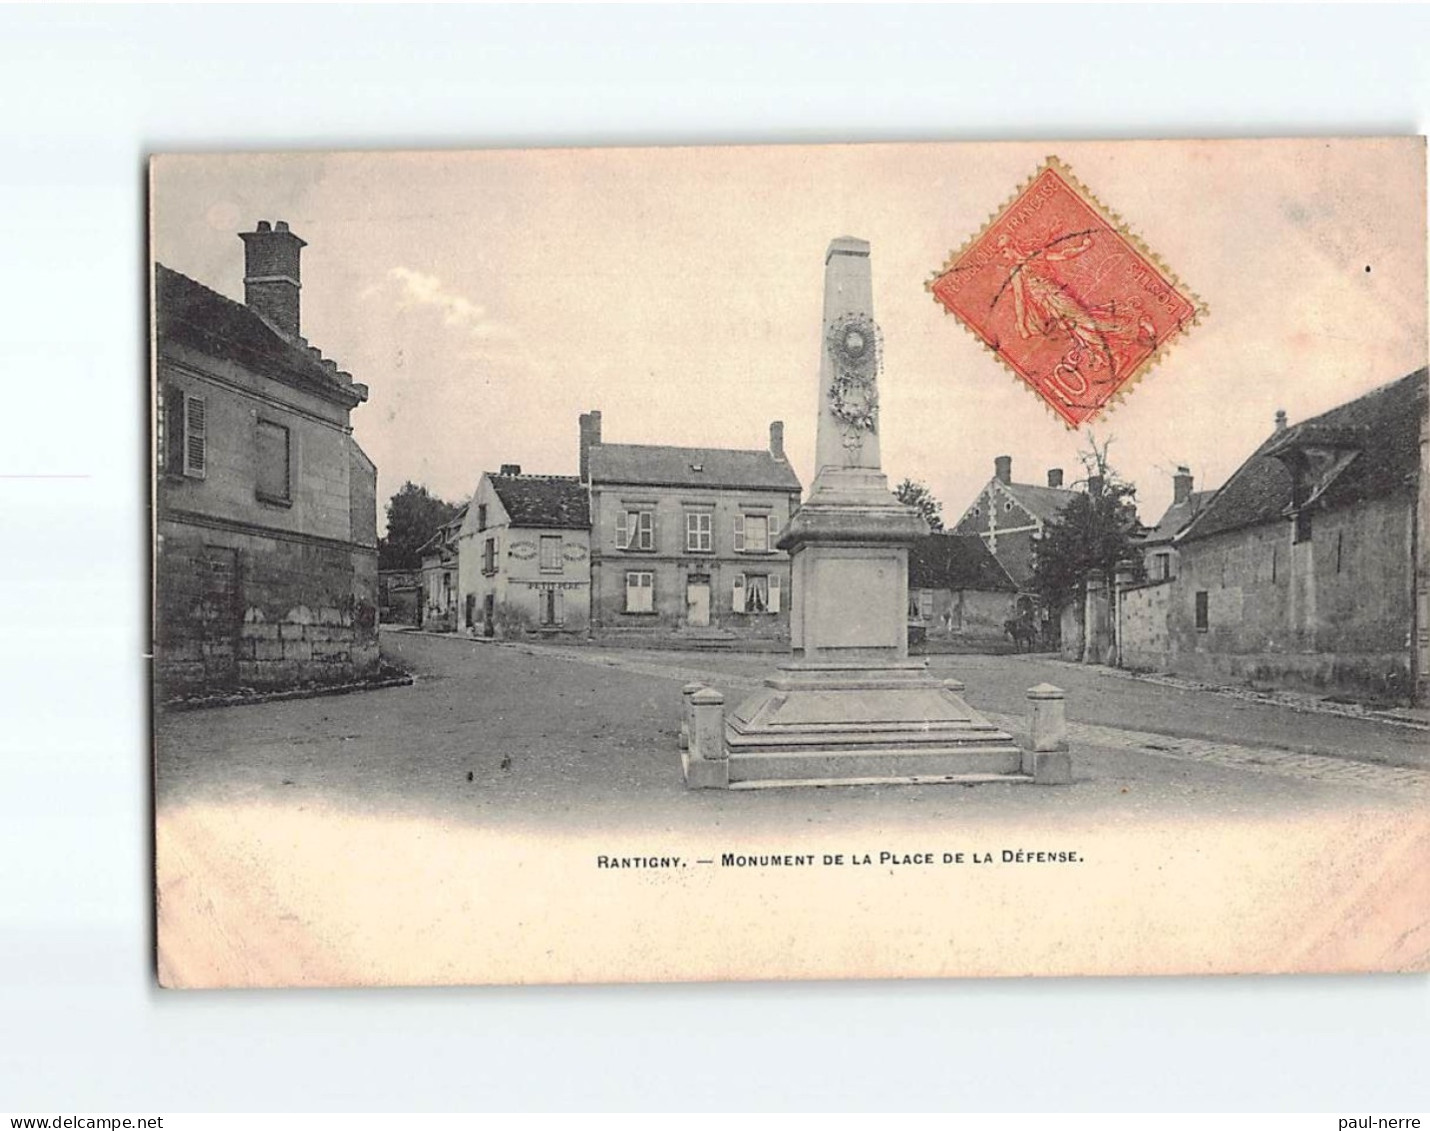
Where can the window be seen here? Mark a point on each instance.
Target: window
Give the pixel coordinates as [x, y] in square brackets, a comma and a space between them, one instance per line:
[1161, 567]
[640, 592]
[1201, 600]
[552, 605]
[635, 530]
[183, 433]
[489, 556]
[755, 593]
[551, 553]
[697, 532]
[752, 533]
[481, 516]
[274, 463]
[926, 604]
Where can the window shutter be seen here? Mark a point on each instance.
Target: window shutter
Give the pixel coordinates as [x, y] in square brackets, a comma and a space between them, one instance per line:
[737, 595]
[623, 529]
[195, 436]
[774, 592]
[558, 607]
[739, 533]
[173, 454]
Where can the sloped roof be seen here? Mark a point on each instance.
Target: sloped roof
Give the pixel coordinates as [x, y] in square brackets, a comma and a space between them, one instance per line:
[1176, 517]
[655, 465]
[189, 312]
[555, 501]
[444, 538]
[1044, 503]
[956, 561]
[1383, 428]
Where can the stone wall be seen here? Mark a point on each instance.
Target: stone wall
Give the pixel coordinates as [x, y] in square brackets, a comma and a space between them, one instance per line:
[246, 609]
[1144, 635]
[1334, 613]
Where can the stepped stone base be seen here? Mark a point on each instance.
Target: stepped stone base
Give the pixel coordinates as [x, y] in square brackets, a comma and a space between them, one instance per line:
[828, 724]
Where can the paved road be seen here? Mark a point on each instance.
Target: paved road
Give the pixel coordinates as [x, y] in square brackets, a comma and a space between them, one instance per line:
[451, 831]
[587, 736]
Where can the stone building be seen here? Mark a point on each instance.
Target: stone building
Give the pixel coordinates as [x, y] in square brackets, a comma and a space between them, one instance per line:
[1301, 569]
[1010, 517]
[958, 590]
[266, 519]
[438, 576]
[525, 555]
[683, 539]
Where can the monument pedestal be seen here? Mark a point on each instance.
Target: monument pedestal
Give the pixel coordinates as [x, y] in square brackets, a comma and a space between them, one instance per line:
[851, 707]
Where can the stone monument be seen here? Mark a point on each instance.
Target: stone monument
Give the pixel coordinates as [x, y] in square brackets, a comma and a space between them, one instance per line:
[849, 706]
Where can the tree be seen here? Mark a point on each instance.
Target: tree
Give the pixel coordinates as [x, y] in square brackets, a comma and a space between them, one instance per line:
[916, 494]
[413, 516]
[1097, 529]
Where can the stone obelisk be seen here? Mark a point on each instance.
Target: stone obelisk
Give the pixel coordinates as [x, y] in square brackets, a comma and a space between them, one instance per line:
[850, 705]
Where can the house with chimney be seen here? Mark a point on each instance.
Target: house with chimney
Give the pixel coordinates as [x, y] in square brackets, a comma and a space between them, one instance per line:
[1010, 517]
[683, 540]
[1158, 545]
[266, 507]
[1302, 569]
[524, 554]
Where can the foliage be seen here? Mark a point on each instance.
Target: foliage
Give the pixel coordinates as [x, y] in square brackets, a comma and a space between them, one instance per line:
[1097, 529]
[916, 494]
[413, 516]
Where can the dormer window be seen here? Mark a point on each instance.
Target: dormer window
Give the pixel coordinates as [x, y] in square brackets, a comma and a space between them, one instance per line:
[697, 467]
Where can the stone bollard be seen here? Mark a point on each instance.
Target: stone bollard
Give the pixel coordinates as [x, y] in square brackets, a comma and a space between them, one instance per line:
[1047, 759]
[705, 762]
[687, 713]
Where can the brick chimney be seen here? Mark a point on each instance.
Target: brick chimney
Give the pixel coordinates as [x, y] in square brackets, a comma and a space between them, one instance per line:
[510, 469]
[1055, 477]
[777, 439]
[1182, 485]
[1003, 469]
[590, 434]
[270, 274]
[1280, 420]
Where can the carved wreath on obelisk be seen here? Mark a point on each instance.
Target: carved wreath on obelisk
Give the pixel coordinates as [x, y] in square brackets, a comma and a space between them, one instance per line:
[855, 349]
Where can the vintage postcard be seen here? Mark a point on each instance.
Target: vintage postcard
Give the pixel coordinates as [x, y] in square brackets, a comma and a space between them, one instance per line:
[871, 561]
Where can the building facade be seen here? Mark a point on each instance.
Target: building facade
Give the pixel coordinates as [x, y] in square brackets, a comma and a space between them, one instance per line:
[683, 539]
[1010, 517]
[266, 514]
[958, 590]
[1301, 570]
[438, 575]
[524, 550]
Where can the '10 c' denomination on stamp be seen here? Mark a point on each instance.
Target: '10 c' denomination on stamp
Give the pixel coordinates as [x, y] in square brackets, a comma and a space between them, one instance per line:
[1072, 302]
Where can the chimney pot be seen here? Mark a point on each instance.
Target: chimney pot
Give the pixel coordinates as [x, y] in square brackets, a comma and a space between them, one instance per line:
[511, 469]
[1003, 469]
[271, 276]
[1182, 484]
[1280, 420]
[281, 226]
[1055, 477]
[590, 434]
[777, 439]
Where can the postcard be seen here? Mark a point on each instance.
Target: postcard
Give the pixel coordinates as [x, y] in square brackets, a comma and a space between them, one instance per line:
[790, 562]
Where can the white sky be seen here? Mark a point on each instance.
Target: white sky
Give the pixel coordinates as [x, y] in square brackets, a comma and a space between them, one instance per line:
[489, 298]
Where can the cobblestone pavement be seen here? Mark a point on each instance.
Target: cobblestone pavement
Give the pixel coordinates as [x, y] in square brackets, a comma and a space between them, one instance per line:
[1254, 758]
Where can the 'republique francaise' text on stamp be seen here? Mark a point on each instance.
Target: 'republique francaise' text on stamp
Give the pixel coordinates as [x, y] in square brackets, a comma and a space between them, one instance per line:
[1065, 296]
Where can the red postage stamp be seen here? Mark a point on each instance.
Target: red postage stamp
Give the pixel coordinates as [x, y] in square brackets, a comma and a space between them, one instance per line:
[1072, 302]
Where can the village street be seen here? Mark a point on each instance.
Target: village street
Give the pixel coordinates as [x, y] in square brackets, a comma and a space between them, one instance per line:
[344, 834]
